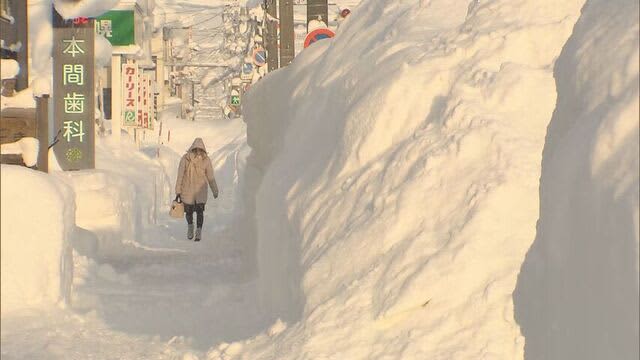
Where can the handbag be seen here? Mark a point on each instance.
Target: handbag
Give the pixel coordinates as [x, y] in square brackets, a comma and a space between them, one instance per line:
[177, 209]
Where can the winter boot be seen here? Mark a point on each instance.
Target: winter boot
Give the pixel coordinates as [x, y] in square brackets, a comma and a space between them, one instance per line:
[198, 234]
[190, 231]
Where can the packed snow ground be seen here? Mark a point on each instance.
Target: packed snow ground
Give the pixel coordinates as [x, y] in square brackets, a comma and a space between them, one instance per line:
[141, 290]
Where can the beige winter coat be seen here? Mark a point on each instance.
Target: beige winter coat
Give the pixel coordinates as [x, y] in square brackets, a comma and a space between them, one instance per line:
[194, 173]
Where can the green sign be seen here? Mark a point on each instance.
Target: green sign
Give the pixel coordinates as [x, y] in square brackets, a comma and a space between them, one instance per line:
[235, 99]
[117, 26]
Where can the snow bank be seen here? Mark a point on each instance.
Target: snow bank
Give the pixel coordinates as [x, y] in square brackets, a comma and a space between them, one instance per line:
[103, 51]
[21, 99]
[40, 42]
[41, 36]
[90, 8]
[9, 68]
[577, 294]
[123, 196]
[395, 171]
[27, 147]
[37, 216]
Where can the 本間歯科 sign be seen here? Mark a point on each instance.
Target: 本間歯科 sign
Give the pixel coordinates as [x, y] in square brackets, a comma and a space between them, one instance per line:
[73, 92]
[118, 26]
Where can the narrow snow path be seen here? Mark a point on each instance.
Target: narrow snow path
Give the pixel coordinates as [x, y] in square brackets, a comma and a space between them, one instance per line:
[172, 297]
[162, 296]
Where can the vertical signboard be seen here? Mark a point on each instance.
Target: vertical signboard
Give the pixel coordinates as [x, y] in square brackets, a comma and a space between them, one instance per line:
[150, 97]
[139, 117]
[144, 98]
[129, 94]
[154, 102]
[73, 92]
[287, 36]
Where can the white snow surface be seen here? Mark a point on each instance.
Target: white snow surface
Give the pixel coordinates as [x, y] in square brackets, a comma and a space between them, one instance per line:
[20, 99]
[9, 68]
[103, 50]
[37, 215]
[386, 208]
[577, 294]
[27, 147]
[70, 9]
[40, 45]
[396, 171]
[140, 289]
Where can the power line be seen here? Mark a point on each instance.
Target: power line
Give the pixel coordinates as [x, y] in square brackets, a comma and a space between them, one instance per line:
[208, 19]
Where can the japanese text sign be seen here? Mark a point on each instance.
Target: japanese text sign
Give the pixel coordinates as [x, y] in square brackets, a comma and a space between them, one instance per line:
[73, 92]
[117, 26]
[129, 94]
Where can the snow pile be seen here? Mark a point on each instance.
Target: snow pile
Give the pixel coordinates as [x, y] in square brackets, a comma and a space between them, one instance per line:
[395, 171]
[9, 68]
[37, 214]
[577, 294]
[69, 9]
[124, 195]
[20, 99]
[40, 86]
[103, 50]
[27, 147]
[40, 46]
[41, 36]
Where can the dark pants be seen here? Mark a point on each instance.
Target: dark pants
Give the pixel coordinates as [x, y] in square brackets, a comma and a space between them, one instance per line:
[188, 212]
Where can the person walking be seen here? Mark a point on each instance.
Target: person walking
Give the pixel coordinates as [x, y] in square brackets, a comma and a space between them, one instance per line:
[195, 172]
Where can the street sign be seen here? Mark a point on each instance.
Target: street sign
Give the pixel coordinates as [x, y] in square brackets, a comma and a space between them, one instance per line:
[117, 26]
[259, 57]
[143, 101]
[317, 35]
[247, 72]
[247, 68]
[73, 92]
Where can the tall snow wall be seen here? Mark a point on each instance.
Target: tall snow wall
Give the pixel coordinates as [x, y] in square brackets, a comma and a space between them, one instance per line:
[577, 294]
[37, 225]
[394, 179]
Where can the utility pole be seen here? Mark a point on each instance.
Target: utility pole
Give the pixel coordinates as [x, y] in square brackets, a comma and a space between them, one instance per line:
[317, 10]
[22, 32]
[287, 36]
[116, 96]
[271, 38]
